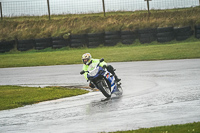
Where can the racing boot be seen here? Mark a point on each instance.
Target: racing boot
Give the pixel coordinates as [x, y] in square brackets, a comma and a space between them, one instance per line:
[116, 78]
[111, 70]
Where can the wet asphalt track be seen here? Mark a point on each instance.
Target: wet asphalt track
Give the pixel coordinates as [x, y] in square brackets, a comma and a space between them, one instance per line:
[156, 93]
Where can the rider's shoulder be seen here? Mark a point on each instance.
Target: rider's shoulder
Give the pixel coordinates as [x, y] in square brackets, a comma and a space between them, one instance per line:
[95, 60]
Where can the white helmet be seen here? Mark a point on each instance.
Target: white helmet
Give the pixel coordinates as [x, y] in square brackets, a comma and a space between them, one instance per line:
[86, 58]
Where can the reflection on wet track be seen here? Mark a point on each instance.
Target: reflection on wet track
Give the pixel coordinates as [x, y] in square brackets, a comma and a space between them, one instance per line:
[156, 93]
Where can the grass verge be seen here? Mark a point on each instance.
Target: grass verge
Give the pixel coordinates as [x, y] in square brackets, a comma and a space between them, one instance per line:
[183, 128]
[121, 53]
[32, 27]
[17, 96]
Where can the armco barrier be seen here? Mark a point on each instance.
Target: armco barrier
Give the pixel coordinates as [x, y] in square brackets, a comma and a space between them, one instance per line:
[109, 38]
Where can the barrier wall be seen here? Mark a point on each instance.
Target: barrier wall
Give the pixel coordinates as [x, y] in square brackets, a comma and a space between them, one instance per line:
[92, 40]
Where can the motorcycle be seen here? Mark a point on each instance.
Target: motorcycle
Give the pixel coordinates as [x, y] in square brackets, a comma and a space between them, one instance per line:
[103, 80]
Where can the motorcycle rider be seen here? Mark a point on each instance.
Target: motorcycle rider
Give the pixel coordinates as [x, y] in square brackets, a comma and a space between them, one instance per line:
[87, 60]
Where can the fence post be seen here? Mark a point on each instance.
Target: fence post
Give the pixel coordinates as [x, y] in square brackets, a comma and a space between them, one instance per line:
[48, 9]
[148, 6]
[1, 11]
[104, 8]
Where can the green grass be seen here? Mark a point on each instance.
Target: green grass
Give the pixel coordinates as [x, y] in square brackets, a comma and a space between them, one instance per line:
[121, 53]
[31, 27]
[17, 96]
[183, 128]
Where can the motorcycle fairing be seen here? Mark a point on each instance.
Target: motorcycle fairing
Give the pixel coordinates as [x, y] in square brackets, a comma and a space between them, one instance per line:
[100, 70]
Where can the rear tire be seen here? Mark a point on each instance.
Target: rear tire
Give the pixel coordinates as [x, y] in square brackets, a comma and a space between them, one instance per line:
[104, 88]
[120, 90]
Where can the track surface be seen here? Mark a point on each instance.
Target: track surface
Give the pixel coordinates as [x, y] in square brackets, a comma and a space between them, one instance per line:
[156, 93]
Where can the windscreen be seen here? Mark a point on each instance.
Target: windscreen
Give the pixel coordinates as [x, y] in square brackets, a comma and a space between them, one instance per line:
[92, 66]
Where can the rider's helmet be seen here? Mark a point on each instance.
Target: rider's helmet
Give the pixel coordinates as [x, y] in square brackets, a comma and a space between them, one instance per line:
[86, 58]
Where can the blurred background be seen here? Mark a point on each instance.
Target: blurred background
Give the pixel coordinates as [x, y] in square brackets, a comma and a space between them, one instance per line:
[13, 8]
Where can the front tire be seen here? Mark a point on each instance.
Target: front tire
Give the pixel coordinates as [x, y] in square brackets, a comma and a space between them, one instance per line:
[104, 88]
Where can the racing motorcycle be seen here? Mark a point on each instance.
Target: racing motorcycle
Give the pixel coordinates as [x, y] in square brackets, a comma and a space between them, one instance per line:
[103, 80]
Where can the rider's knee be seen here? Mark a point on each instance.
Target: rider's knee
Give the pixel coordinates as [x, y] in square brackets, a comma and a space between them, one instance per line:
[109, 67]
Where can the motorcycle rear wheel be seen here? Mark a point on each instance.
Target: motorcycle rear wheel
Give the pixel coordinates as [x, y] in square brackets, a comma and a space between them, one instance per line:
[120, 90]
[104, 88]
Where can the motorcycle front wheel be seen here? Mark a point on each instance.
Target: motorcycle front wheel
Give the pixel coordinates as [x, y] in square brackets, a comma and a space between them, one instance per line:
[104, 88]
